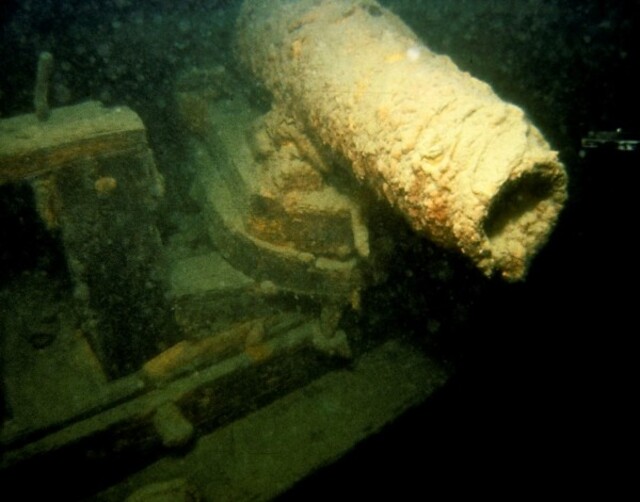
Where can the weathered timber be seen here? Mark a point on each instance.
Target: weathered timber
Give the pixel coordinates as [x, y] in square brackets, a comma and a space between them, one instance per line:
[95, 181]
[29, 147]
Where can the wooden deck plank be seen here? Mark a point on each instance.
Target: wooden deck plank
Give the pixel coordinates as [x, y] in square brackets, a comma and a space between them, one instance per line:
[29, 147]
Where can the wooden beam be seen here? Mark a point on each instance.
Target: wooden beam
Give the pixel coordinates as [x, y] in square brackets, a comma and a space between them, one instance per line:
[29, 147]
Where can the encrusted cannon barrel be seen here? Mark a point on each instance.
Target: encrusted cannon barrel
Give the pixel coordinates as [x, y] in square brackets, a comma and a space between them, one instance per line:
[464, 167]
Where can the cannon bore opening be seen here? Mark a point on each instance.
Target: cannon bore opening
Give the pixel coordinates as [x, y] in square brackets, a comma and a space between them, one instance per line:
[516, 200]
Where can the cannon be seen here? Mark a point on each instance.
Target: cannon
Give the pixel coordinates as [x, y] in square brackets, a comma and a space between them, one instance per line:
[465, 168]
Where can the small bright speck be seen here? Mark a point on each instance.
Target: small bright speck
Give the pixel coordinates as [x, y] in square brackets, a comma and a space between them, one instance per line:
[413, 53]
